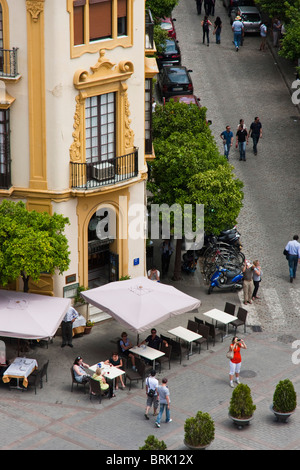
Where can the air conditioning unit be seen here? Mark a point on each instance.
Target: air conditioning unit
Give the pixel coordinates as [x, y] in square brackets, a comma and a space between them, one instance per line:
[103, 171]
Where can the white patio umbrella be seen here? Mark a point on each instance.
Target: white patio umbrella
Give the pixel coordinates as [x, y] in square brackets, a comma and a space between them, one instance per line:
[139, 303]
[30, 316]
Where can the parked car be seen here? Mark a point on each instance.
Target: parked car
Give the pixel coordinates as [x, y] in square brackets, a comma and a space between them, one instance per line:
[230, 4]
[171, 54]
[167, 24]
[188, 99]
[173, 80]
[250, 17]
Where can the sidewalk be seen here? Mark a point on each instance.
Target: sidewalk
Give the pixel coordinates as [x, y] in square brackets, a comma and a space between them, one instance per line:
[57, 419]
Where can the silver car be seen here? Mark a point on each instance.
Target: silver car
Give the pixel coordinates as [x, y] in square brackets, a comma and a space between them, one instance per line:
[250, 17]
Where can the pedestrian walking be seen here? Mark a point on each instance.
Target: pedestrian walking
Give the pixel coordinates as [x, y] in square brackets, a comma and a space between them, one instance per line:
[67, 327]
[263, 35]
[238, 31]
[205, 28]
[164, 399]
[242, 141]
[218, 29]
[236, 362]
[199, 6]
[166, 250]
[293, 256]
[207, 7]
[212, 7]
[276, 31]
[152, 394]
[257, 273]
[227, 137]
[248, 281]
[255, 133]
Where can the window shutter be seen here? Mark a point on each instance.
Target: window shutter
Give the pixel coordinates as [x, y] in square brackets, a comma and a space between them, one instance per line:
[79, 22]
[100, 19]
[122, 8]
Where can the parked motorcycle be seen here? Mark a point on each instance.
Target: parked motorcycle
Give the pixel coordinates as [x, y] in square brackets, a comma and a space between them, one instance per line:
[189, 263]
[229, 237]
[225, 278]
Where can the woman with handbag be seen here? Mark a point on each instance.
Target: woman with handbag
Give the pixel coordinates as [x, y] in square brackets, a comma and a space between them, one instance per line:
[235, 358]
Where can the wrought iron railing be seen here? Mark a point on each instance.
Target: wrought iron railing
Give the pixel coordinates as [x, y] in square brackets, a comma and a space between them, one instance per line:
[9, 63]
[102, 173]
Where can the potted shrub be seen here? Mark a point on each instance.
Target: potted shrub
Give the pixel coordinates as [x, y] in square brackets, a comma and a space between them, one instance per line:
[241, 407]
[88, 327]
[284, 400]
[152, 443]
[80, 304]
[199, 431]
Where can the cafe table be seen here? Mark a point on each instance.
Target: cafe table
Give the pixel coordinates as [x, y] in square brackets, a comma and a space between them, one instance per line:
[20, 369]
[109, 371]
[148, 353]
[187, 335]
[222, 317]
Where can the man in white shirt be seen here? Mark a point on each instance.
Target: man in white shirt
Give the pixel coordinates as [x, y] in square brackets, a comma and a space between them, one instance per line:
[67, 326]
[293, 249]
[152, 394]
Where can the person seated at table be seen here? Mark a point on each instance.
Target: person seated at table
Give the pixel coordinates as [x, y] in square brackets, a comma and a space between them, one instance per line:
[116, 361]
[126, 344]
[106, 387]
[154, 341]
[154, 274]
[80, 373]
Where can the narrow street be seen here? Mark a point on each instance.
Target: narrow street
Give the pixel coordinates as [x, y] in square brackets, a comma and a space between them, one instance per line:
[234, 85]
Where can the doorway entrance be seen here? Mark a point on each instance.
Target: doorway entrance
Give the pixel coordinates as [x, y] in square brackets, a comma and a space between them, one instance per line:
[103, 263]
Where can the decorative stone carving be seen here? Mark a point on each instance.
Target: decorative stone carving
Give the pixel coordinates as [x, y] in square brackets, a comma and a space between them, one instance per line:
[35, 7]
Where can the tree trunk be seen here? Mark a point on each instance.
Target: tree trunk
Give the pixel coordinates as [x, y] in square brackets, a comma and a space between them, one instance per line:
[177, 266]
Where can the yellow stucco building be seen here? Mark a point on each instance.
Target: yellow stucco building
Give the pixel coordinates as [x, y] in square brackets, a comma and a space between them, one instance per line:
[75, 127]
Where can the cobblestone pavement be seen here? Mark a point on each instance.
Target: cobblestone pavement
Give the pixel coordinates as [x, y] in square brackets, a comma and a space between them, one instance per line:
[232, 85]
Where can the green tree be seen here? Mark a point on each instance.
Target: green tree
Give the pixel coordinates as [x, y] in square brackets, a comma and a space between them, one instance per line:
[30, 243]
[161, 8]
[188, 169]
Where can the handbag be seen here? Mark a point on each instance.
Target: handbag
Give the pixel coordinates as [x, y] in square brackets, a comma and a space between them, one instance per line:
[286, 253]
[151, 392]
[230, 354]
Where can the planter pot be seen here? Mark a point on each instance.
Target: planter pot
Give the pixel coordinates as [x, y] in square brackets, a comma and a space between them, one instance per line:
[189, 446]
[281, 417]
[241, 422]
[87, 330]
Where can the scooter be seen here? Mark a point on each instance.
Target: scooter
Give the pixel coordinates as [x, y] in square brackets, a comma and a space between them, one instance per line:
[224, 278]
[189, 263]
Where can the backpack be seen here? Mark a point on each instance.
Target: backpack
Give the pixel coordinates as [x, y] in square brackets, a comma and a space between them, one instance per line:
[205, 26]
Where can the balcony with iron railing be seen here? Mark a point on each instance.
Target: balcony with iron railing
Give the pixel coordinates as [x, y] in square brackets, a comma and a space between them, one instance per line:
[149, 33]
[9, 63]
[94, 175]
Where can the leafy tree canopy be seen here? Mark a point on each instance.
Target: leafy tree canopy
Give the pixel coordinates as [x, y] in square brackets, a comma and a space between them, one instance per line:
[161, 8]
[30, 243]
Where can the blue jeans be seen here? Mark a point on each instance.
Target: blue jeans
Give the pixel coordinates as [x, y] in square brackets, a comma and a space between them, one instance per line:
[163, 406]
[226, 150]
[242, 149]
[255, 138]
[293, 263]
[237, 37]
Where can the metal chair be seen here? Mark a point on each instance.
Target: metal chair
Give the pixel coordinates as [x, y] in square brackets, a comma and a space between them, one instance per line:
[35, 380]
[167, 357]
[137, 375]
[214, 332]
[95, 390]
[241, 319]
[229, 308]
[201, 322]
[194, 326]
[176, 349]
[74, 381]
[203, 330]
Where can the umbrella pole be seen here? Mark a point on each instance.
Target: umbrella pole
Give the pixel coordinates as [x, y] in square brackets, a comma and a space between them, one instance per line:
[137, 339]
